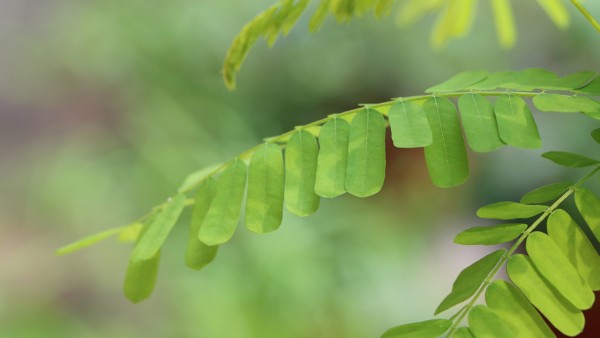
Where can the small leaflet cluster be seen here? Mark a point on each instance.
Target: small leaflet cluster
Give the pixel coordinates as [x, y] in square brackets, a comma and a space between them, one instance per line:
[345, 153]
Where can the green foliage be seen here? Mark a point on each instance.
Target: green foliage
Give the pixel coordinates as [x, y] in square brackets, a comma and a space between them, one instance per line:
[300, 172]
[427, 329]
[569, 159]
[490, 235]
[409, 125]
[509, 210]
[479, 122]
[546, 193]
[332, 161]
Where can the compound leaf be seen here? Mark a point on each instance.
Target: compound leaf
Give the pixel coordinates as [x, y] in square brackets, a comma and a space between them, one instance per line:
[546, 193]
[428, 329]
[515, 122]
[140, 278]
[409, 125]
[510, 210]
[301, 155]
[332, 160]
[484, 322]
[588, 205]
[479, 123]
[568, 159]
[490, 235]
[198, 254]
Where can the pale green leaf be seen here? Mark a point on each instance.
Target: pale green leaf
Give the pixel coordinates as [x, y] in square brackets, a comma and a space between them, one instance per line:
[562, 314]
[568, 159]
[505, 22]
[332, 160]
[194, 178]
[140, 278]
[428, 329]
[264, 203]
[565, 104]
[458, 81]
[484, 322]
[490, 235]
[575, 245]
[446, 157]
[515, 122]
[463, 332]
[224, 212]
[409, 125]
[510, 210]
[87, 241]
[153, 237]
[130, 233]
[469, 280]
[596, 135]
[365, 170]
[300, 174]
[198, 254]
[546, 193]
[556, 11]
[479, 122]
[516, 311]
[588, 205]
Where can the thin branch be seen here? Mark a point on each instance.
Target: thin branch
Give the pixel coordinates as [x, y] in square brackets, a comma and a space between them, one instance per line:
[586, 14]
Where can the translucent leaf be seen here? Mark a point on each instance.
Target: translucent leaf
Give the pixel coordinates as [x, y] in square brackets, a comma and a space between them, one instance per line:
[428, 329]
[140, 278]
[224, 212]
[596, 135]
[446, 157]
[516, 311]
[575, 245]
[562, 314]
[198, 254]
[130, 233]
[294, 15]
[490, 235]
[484, 322]
[414, 10]
[319, 17]
[546, 193]
[365, 171]
[300, 174]
[332, 160]
[469, 280]
[510, 210]
[515, 122]
[568, 159]
[458, 81]
[194, 178]
[409, 125]
[479, 122]
[153, 237]
[264, 202]
[463, 332]
[556, 11]
[565, 104]
[455, 21]
[505, 22]
[588, 205]
[87, 241]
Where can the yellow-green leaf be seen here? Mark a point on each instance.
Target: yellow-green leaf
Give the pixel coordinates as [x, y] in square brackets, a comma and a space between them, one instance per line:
[319, 17]
[490, 235]
[141, 278]
[130, 233]
[409, 125]
[505, 22]
[568, 159]
[428, 329]
[463, 332]
[479, 122]
[515, 122]
[484, 322]
[197, 176]
[332, 160]
[565, 104]
[414, 10]
[301, 155]
[87, 241]
[458, 81]
[198, 254]
[588, 205]
[546, 193]
[510, 210]
[556, 11]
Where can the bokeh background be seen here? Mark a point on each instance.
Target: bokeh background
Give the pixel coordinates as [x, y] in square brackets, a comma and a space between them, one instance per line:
[106, 106]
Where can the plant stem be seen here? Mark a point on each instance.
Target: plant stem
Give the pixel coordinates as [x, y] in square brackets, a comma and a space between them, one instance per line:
[586, 14]
[465, 310]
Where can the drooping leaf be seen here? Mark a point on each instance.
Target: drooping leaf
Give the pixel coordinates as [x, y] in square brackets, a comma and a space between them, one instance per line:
[455, 21]
[87, 241]
[568, 159]
[319, 17]
[332, 160]
[575, 245]
[264, 202]
[224, 212]
[446, 157]
[197, 176]
[560, 312]
[463, 332]
[556, 11]
[516, 311]
[490, 235]
[428, 329]
[458, 82]
[505, 22]
[409, 125]
[510, 210]
[515, 122]
[479, 122]
[588, 205]
[141, 278]
[565, 104]
[301, 155]
[365, 171]
[469, 280]
[152, 239]
[546, 193]
[484, 322]
[596, 135]
[198, 254]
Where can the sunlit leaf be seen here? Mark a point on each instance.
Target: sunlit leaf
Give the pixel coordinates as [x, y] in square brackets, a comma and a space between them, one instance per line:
[130, 233]
[141, 278]
[427, 329]
[409, 125]
[319, 17]
[510, 210]
[455, 21]
[515, 122]
[479, 122]
[546, 193]
[332, 160]
[469, 280]
[588, 205]
[568, 159]
[458, 81]
[301, 155]
[556, 11]
[565, 104]
[484, 322]
[505, 22]
[198, 254]
[413, 10]
[87, 241]
[463, 332]
[490, 235]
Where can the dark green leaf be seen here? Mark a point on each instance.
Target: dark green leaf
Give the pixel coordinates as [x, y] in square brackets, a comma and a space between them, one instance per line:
[588, 205]
[469, 280]
[447, 156]
[332, 160]
[546, 193]
[490, 235]
[141, 278]
[300, 174]
[515, 122]
[198, 254]
[409, 125]
[87, 241]
[596, 135]
[484, 322]
[510, 210]
[458, 82]
[568, 159]
[427, 329]
[479, 123]
[565, 104]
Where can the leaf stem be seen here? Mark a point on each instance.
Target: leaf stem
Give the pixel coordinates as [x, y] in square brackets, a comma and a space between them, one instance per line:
[586, 14]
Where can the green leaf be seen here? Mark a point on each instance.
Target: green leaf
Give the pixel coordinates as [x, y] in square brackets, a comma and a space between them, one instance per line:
[463, 332]
[515, 122]
[568, 159]
[562, 314]
[490, 235]
[413, 10]
[152, 239]
[409, 125]
[596, 135]
[575, 245]
[516, 311]
[319, 17]
[332, 160]
[446, 157]
[484, 322]
[300, 174]
[573, 81]
[455, 21]
[87, 241]
[493, 81]
[556, 269]
[588, 205]
[556, 11]
[531, 78]
[591, 88]
[546, 193]
[469, 280]
[264, 203]
[505, 22]
[479, 122]
[141, 278]
[565, 104]
[428, 329]
[194, 178]
[510, 210]
[224, 212]
[383, 7]
[130, 233]
[458, 82]
[198, 254]
[365, 171]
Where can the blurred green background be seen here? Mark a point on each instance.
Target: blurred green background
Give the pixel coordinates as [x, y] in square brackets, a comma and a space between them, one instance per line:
[106, 105]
